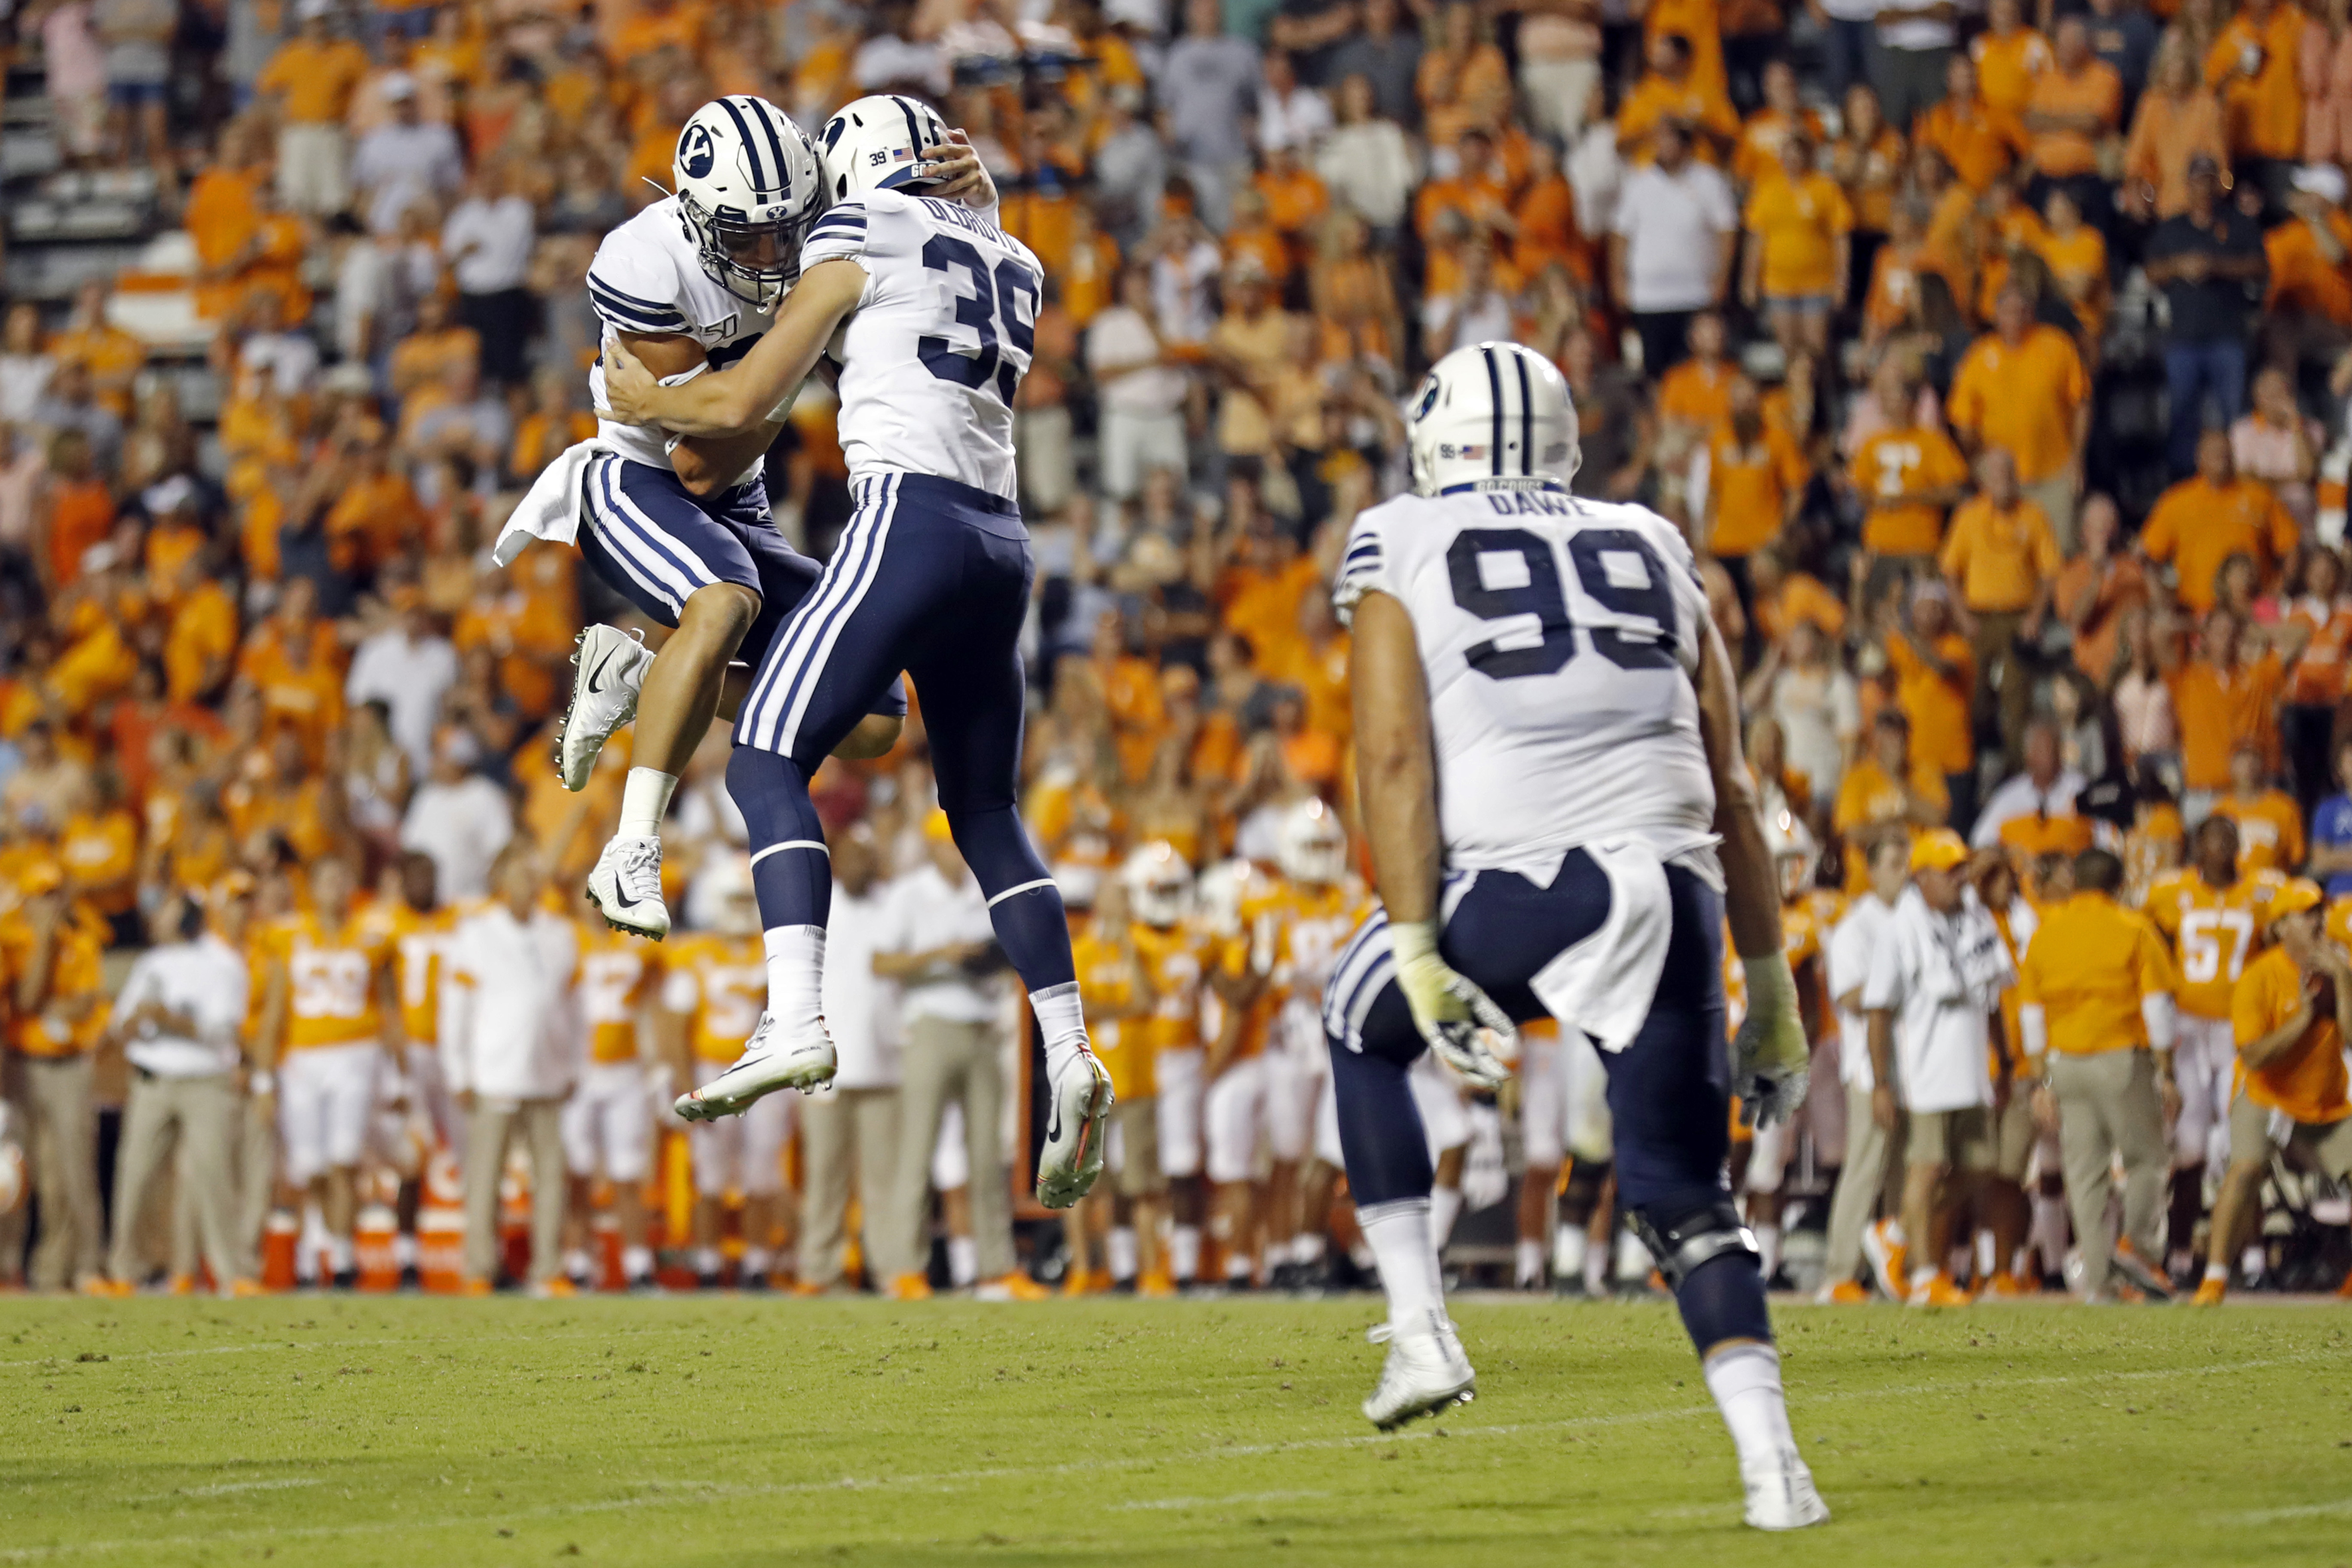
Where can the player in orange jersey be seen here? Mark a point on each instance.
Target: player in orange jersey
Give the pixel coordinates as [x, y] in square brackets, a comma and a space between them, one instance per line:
[1172, 947]
[408, 904]
[2292, 1013]
[717, 985]
[330, 1018]
[2213, 918]
[1115, 984]
[608, 1122]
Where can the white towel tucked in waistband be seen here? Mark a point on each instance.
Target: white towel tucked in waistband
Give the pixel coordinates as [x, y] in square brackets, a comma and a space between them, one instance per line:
[550, 510]
[1604, 985]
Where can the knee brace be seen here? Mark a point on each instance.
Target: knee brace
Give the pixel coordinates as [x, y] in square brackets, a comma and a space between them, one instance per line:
[1682, 1238]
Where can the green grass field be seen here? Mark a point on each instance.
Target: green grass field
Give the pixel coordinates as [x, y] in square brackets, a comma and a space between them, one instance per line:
[418, 1432]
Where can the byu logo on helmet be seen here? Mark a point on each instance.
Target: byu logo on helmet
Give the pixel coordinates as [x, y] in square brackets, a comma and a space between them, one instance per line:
[695, 154]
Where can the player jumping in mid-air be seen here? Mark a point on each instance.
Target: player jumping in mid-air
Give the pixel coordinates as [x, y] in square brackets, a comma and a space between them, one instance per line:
[936, 310]
[680, 527]
[1546, 735]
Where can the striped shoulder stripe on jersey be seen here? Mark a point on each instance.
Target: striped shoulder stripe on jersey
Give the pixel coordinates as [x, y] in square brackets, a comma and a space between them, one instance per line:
[852, 222]
[630, 318]
[750, 147]
[1495, 403]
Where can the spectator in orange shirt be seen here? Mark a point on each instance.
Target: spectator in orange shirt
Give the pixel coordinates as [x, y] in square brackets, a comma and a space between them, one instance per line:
[2095, 589]
[1934, 676]
[1799, 259]
[1669, 91]
[2315, 642]
[2021, 387]
[2224, 696]
[1694, 397]
[554, 422]
[2001, 559]
[1976, 142]
[2072, 111]
[2010, 58]
[1907, 475]
[76, 511]
[1756, 480]
[310, 81]
[2254, 65]
[2178, 118]
[2307, 312]
[2269, 825]
[110, 357]
[1464, 83]
[2214, 514]
[1757, 156]
[1889, 791]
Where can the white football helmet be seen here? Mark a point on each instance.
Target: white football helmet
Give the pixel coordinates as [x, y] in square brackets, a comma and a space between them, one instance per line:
[1794, 853]
[876, 143]
[1310, 845]
[1494, 414]
[749, 186]
[1223, 889]
[1159, 884]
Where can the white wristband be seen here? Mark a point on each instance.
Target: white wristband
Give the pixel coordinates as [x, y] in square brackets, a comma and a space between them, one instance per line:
[262, 1083]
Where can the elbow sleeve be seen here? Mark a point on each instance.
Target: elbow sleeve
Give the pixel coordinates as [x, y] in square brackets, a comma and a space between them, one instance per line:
[2156, 1011]
[2033, 1029]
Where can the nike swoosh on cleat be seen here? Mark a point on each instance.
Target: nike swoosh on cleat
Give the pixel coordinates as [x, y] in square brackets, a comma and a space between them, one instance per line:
[595, 687]
[621, 896]
[1053, 1124]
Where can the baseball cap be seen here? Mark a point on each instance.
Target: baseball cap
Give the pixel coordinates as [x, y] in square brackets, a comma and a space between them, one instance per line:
[1938, 849]
[2300, 893]
[2322, 179]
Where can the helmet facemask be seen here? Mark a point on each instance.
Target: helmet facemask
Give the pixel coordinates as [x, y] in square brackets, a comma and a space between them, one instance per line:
[755, 259]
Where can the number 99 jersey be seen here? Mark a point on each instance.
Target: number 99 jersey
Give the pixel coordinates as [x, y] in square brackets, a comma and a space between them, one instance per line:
[1559, 637]
[940, 340]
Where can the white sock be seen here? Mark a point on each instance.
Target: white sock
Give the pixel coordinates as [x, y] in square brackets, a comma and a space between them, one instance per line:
[1634, 1259]
[707, 1260]
[757, 1260]
[1307, 1248]
[1184, 1251]
[1746, 1382]
[2050, 1233]
[575, 1263]
[1122, 1251]
[1568, 1246]
[2217, 1271]
[796, 977]
[963, 1261]
[1528, 1263]
[404, 1250]
[1061, 1023]
[1596, 1269]
[644, 801]
[1444, 1208]
[637, 1262]
[1767, 1242]
[1400, 1234]
[339, 1254]
[1922, 1274]
[1239, 1266]
[2253, 1263]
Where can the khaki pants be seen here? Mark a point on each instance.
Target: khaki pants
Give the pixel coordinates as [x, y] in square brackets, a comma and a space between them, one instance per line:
[256, 1167]
[199, 1116]
[945, 1062]
[63, 1142]
[2004, 684]
[540, 1124]
[2107, 1105]
[313, 161]
[849, 1126]
[2055, 497]
[1872, 1156]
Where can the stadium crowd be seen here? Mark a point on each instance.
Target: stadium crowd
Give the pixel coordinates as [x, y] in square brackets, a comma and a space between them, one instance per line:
[1993, 358]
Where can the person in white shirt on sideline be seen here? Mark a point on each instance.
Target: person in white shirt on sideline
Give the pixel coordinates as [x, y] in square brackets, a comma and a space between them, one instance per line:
[855, 1128]
[511, 1047]
[1871, 1149]
[942, 948]
[459, 817]
[2046, 788]
[1937, 973]
[177, 1019]
[407, 667]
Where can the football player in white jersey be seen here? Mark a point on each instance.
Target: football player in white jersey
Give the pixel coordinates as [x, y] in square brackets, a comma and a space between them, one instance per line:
[933, 309]
[1548, 742]
[680, 528]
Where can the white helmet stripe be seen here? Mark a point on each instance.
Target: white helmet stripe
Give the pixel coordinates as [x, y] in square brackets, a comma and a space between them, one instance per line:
[750, 149]
[1495, 403]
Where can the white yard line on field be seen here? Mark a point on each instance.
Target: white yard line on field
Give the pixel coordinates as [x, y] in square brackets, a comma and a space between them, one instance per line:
[672, 1494]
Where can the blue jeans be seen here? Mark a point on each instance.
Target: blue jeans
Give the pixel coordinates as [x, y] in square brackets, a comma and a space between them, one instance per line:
[2191, 371]
[1845, 50]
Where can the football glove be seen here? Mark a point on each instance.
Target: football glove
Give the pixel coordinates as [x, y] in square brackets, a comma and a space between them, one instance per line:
[1460, 1023]
[1771, 1068]
[1078, 1098]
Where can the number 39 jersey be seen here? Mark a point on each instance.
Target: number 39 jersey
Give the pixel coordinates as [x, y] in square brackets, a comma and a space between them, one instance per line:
[1559, 637]
[940, 340]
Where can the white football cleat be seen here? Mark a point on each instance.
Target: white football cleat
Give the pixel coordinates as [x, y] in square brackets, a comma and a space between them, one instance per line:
[768, 1064]
[626, 889]
[1078, 1097]
[612, 666]
[1425, 1372]
[1780, 1494]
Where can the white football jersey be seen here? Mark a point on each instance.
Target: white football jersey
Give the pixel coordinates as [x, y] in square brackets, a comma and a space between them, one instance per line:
[647, 278]
[1559, 637]
[940, 340]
